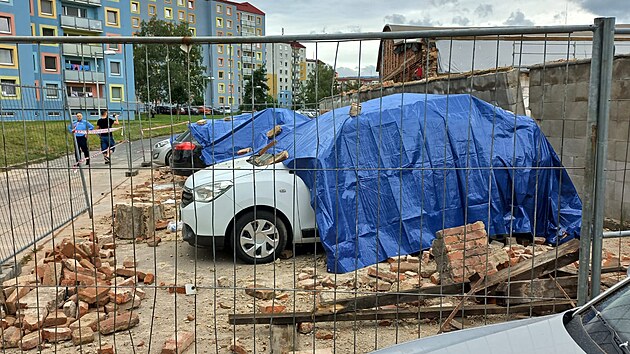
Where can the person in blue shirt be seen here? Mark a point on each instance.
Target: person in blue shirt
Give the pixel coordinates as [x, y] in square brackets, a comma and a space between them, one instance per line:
[79, 128]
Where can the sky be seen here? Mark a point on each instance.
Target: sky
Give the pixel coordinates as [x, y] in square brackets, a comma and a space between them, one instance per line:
[352, 16]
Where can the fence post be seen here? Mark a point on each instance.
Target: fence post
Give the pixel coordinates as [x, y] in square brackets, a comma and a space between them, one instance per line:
[595, 157]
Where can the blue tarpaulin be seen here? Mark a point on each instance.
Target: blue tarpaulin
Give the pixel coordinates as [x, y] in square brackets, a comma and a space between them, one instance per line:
[221, 139]
[384, 182]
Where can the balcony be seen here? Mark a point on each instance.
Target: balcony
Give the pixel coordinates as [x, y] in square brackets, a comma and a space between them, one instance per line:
[84, 76]
[86, 102]
[83, 50]
[247, 71]
[247, 59]
[84, 2]
[80, 23]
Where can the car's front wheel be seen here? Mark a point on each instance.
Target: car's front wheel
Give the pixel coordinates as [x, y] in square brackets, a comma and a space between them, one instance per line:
[259, 238]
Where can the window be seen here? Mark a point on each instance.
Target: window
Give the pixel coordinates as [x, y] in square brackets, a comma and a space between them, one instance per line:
[114, 68]
[258, 56]
[52, 90]
[228, 10]
[50, 63]
[228, 23]
[191, 4]
[49, 31]
[220, 49]
[152, 10]
[166, 1]
[112, 17]
[230, 63]
[9, 87]
[54, 114]
[221, 88]
[135, 7]
[5, 24]
[46, 7]
[181, 15]
[135, 22]
[258, 20]
[168, 13]
[221, 99]
[181, 2]
[220, 60]
[219, 33]
[191, 18]
[219, 9]
[116, 93]
[193, 31]
[221, 74]
[258, 32]
[74, 11]
[219, 22]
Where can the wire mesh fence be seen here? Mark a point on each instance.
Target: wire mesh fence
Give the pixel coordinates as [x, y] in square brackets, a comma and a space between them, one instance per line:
[286, 216]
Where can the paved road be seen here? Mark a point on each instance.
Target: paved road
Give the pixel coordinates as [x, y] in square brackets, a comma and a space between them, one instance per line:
[38, 198]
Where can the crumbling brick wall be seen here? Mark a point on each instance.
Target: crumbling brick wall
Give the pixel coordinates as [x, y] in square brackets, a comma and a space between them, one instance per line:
[461, 252]
[401, 59]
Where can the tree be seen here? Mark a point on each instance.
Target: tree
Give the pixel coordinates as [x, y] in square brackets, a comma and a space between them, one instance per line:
[261, 97]
[321, 83]
[164, 60]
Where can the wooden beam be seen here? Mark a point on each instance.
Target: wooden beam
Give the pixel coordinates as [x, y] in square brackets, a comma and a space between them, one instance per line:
[525, 291]
[375, 315]
[384, 299]
[543, 264]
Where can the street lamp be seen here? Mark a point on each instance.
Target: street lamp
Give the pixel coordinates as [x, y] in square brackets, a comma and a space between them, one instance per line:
[211, 78]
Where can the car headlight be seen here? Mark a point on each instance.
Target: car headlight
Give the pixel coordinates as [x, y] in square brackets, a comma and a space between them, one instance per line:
[208, 192]
[160, 144]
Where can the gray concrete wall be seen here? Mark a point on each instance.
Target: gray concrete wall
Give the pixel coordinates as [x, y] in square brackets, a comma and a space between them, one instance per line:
[502, 87]
[558, 100]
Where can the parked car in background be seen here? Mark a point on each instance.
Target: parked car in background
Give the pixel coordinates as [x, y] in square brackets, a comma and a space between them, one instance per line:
[162, 152]
[224, 110]
[600, 326]
[186, 157]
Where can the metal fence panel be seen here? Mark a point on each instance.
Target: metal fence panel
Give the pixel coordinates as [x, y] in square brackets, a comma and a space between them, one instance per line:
[266, 283]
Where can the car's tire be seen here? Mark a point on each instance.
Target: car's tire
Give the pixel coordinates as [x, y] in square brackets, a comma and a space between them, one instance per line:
[168, 159]
[260, 238]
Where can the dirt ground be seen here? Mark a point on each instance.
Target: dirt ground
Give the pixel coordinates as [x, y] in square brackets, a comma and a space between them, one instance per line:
[220, 284]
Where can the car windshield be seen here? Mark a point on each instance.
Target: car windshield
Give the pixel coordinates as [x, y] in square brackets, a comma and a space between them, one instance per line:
[608, 321]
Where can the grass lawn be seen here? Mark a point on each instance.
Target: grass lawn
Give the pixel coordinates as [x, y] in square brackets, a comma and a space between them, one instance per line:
[23, 142]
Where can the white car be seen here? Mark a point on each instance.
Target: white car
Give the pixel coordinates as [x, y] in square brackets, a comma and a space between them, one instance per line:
[161, 152]
[600, 326]
[257, 210]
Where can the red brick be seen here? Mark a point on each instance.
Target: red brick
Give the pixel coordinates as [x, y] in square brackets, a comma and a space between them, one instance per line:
[324, 334]
[82, 335]
[403, 267]
[93, 294]
[83, 308]
[106, 349]
[153, 241]
[178, 343]
[260, 292]
[130, 262]
[270, 307]
[57, 334]
[385, 274]
[56, 318]
[149, 278]
[11, 337]
[30, 341]
[120, 295]
[119, 322]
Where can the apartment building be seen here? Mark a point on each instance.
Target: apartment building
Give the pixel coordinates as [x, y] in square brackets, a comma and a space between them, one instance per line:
[286, 71]
[39, 81]
[42, 80]
[231, 65]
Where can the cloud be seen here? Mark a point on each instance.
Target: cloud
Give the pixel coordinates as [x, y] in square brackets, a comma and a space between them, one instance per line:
[369, 70]
[395, 19]
[399, 19]
[461, 21]
[438, 3]
[484, 10]
[518, 19]
[614, 8]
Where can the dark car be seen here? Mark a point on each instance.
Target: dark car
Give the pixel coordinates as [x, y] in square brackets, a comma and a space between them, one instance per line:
[186, 155]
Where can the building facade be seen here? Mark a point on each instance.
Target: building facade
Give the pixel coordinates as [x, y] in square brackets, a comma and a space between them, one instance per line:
[286, 71]
[47, 80]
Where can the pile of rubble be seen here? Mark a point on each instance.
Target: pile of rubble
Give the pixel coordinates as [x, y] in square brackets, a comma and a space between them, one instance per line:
[75, 291]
